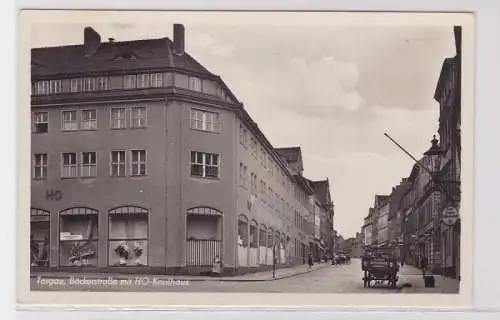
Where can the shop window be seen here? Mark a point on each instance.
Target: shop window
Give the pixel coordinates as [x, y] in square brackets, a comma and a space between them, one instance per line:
[78, 237]
[128, 236]
[39, 238]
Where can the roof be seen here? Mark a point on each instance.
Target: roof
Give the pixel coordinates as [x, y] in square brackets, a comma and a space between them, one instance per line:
[446, 70]
[147, 54]
[321, 188]
[380, 200]
[396, 197]
[291, 154]
[304, 183]
[414, 172]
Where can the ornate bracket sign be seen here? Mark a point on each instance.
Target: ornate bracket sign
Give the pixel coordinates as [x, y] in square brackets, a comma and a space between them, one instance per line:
[450, 216]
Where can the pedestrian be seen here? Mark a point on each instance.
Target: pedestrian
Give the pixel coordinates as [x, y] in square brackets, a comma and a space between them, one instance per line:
[423, 264]
[310, 260]
[216, 267]
[402, 261]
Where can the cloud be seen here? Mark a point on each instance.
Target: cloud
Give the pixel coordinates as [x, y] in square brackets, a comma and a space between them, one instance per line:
[222, 50]
[209, 45]
[122, 26]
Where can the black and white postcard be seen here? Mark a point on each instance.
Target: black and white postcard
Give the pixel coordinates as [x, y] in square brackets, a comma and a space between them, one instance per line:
[245, 158]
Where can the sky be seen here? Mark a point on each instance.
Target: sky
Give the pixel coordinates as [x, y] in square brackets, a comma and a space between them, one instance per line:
[332, 90]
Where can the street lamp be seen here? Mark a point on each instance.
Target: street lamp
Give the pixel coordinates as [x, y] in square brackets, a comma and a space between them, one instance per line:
[434, 155]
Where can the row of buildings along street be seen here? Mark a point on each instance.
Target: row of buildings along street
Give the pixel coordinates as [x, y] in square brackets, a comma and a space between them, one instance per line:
[419, 219]
[143, 161]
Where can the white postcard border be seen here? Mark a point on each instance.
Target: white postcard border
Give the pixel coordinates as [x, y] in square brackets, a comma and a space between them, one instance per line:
[255, 300]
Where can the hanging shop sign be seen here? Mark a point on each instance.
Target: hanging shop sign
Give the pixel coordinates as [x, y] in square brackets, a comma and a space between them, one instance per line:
[450, 216]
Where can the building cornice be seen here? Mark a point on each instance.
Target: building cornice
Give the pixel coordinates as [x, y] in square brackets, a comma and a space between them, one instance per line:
[130, 96]
[123, 72]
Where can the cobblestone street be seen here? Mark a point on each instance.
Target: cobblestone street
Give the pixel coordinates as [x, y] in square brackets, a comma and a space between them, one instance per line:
[323, 278]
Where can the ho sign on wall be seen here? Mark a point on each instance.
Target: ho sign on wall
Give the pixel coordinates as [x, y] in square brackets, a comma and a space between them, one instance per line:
[53, 195]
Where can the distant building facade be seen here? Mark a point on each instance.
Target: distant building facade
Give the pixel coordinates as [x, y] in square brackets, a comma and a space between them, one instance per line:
[367, 229]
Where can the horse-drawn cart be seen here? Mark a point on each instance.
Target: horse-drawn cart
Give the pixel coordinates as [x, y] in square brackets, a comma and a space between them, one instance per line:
[379, 268]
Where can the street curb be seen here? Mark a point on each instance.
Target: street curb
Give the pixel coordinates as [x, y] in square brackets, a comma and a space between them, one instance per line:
[214, 279]
[297, 274]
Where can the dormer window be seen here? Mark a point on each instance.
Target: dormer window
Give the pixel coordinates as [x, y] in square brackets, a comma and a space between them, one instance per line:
[194, 84]
[143, 81]
[130, 81]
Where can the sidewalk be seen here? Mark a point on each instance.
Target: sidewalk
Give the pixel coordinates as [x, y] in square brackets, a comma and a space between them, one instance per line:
[281, 273]
[412, 275]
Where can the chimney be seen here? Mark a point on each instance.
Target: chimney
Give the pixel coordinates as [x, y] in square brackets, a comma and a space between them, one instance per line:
[457, 30]
[178, 39]
[91, 41]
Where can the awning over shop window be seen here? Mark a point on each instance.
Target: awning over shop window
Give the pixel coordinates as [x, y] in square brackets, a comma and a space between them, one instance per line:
[128, 210]
[79, 211]
[204, 211]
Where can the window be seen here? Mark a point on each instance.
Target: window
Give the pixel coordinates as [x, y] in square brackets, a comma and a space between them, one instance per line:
[194, 84]
[118, 163]
[40, 165]
[130, 81]
[89, 84]
[55, 86]
[138, 163]
[78, 237]
[242, 135]
[89, 120]
[157, 80]
[242, 172]
[39, 238]
[270, 196]
[204, 120]
[41, 122]
[102, 83]
[69, 121]
[263, 188]
[262, 156]
[76, 85]
[89, 164]
[118, 118]
[220, 92]
[253, 147]
[245, 176]
[69, 166]
[138, 117]
[143, 81]
[204, 164]
[253, 183]
[42, 87]
[128, 236]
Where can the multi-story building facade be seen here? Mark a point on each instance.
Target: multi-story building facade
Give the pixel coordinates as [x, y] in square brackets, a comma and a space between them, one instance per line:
[396, 216]
[357, 246]
[419, 206]
[323, 195]
[143, 160]
[383, 224]
[367, 229]
[448, 94]
[379, 215]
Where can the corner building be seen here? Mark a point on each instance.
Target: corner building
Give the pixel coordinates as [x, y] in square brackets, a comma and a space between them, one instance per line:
[144, 161]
